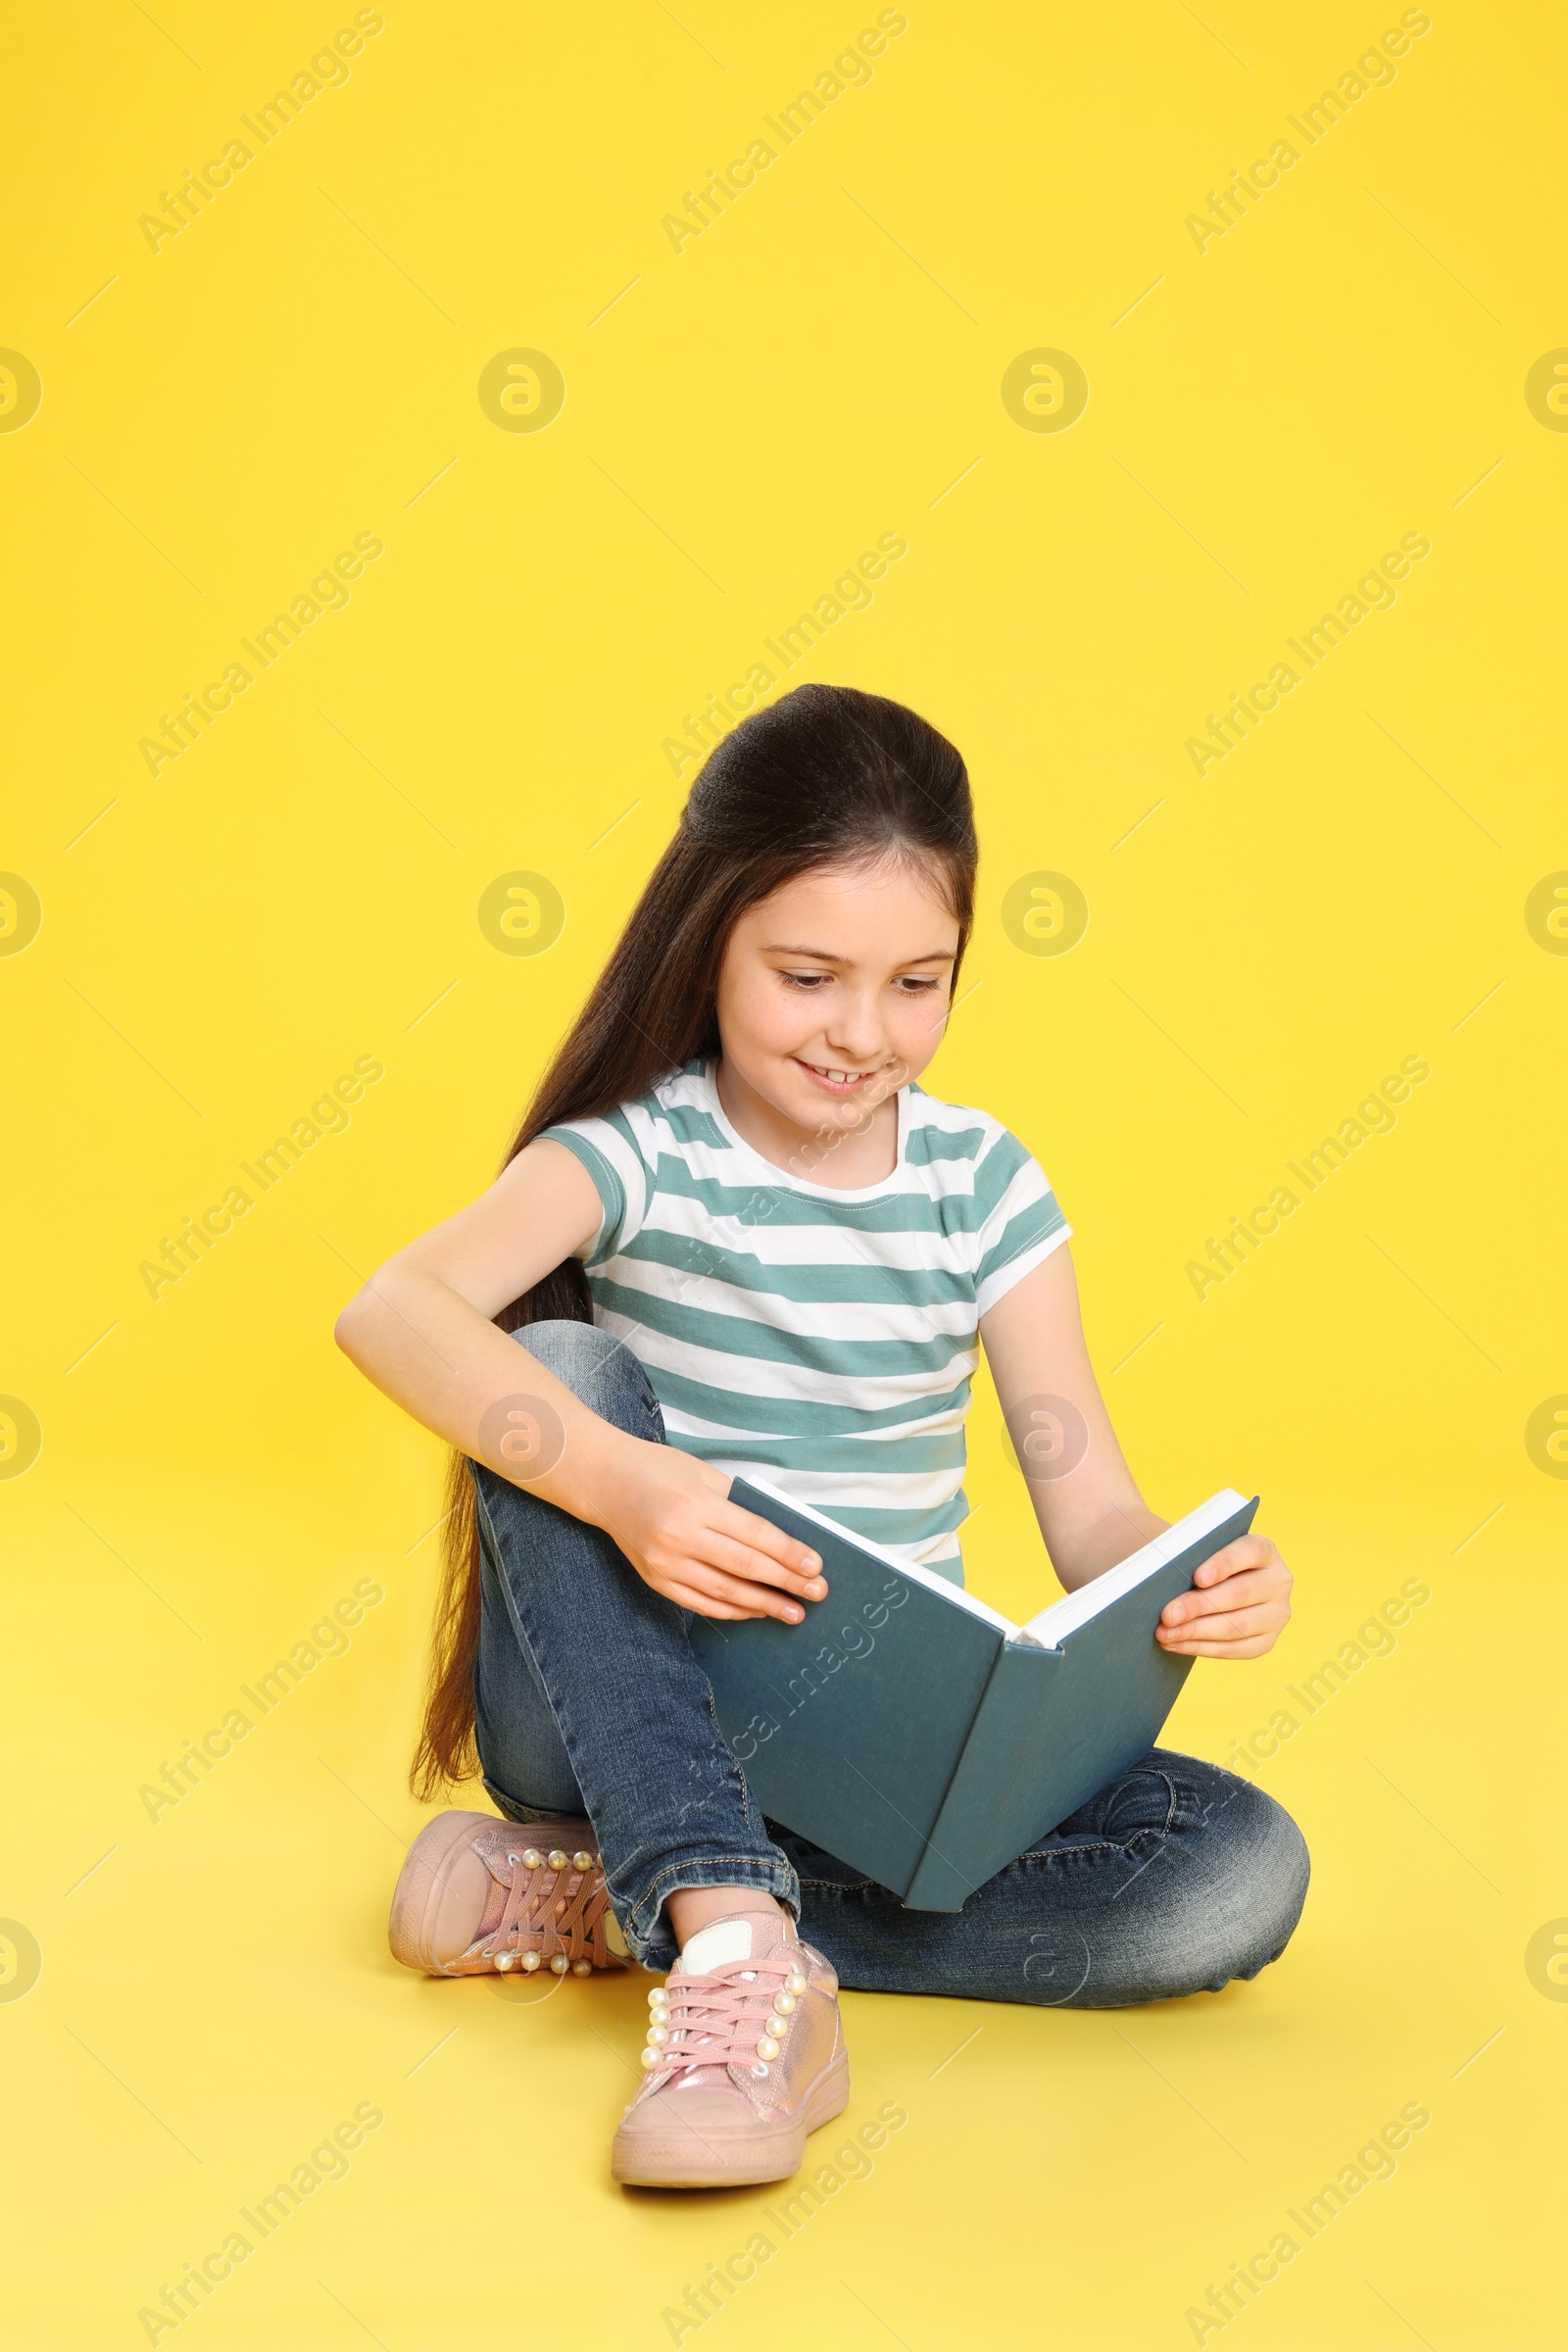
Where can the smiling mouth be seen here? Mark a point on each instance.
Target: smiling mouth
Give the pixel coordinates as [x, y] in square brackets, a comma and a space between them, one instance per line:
[838, 1081]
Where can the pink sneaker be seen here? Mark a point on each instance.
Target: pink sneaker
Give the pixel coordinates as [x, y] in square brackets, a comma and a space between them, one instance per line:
[745, 2056]
[478, 1896]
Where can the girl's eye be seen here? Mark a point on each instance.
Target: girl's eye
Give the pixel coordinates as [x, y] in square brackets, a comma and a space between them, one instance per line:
[913, 984]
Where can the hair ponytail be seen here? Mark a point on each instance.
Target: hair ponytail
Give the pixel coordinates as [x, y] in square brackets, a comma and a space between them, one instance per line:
[825, 776]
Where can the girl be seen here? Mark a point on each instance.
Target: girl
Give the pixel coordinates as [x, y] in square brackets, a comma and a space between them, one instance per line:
[733, 1229]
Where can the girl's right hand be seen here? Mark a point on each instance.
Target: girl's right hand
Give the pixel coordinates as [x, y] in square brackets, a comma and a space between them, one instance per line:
[671, 1515]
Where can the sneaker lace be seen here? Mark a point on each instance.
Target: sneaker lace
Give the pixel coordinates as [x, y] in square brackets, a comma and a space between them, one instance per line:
[555, 1912]
[737, 2016]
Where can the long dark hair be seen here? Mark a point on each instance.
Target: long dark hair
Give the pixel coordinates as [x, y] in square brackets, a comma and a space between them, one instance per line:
[824, 777]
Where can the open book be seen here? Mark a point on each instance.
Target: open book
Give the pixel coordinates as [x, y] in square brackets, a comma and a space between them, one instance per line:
[916, 1733]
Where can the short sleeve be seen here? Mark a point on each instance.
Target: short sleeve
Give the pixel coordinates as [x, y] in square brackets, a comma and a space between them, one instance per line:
[1020, 1222]
[608, 1148]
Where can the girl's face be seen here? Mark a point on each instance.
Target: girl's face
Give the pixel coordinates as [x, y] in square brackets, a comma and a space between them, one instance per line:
[833, 992]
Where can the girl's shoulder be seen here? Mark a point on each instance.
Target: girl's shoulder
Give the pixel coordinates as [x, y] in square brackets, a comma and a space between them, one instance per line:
[684, 1105]
[631, 1151]
[675, 1111]
[985, 1185]
[955, 1134]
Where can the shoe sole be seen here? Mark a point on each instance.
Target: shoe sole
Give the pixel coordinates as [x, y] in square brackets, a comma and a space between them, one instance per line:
[692, 2164]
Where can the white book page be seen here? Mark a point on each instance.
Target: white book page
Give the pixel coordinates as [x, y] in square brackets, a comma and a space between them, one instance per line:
[928, 1577]
[1074, 1610]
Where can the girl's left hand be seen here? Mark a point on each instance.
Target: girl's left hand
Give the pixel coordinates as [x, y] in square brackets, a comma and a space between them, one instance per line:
[1242, 1599]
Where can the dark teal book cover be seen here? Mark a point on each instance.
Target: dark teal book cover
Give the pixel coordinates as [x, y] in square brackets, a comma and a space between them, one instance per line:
[920, 1734]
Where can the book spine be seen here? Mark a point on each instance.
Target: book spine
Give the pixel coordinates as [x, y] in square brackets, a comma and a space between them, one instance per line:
[952, 1863]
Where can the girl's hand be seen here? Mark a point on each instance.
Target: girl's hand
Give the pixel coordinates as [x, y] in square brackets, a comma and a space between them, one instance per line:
[671, 1516]
[1241, 1602]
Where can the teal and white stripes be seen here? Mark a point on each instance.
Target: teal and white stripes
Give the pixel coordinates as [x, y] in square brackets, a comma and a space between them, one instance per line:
[828, 1337]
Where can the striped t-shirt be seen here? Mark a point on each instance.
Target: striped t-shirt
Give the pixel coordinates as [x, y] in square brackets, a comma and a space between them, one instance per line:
[828, 1337]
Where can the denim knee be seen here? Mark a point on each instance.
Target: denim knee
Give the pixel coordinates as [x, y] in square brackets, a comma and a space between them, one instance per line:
[1280, 1871]
[1254, 1885]
[1210, 1882]
[599, 1370]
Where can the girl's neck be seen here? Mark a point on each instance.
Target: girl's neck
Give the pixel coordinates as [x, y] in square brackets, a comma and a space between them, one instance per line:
[844, 1158]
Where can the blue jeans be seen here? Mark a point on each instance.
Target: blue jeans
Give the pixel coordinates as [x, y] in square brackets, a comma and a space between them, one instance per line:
[1173, 1880]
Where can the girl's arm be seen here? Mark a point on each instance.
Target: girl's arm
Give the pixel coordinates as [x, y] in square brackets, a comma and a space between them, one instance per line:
[1090, 1511]
[422, 1331]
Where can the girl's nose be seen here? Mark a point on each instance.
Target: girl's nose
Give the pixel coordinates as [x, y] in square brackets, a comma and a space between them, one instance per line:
[857, 1032]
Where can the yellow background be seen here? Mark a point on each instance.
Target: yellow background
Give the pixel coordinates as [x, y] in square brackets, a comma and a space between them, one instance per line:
[300, 889]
